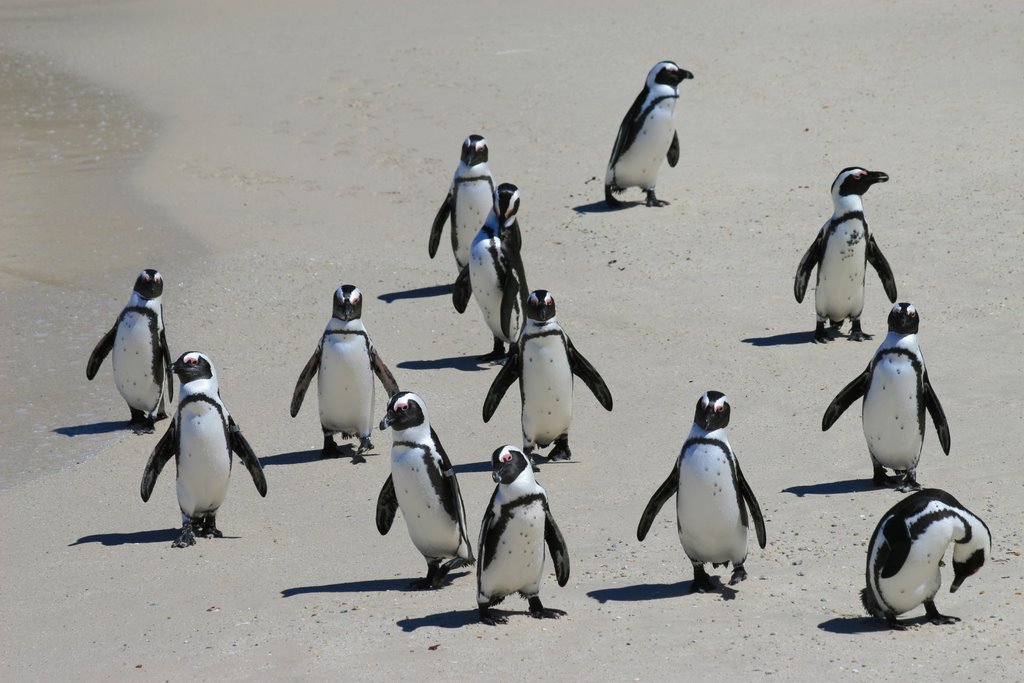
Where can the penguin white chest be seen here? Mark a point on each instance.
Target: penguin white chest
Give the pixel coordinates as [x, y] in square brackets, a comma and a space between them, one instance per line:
[487, 267]
[133, 363]
[547, 389]
[345, 385]
[416, 476]
[840, 289]
[204, 460]
[707, 505]
[919, 578]
[639, 165]
[473, 201]
[892, 412]
[518, 561]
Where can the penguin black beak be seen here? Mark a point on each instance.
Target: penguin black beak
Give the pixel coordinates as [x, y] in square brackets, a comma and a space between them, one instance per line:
[878, 177]
[685, 75]
[496, 476]
[386, 421]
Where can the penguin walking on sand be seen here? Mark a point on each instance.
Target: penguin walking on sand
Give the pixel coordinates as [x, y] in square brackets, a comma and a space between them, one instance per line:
[896, 392]
[840, 252]
[200, 438]
[646, 136]
[346, 361]
[906, 550]
[423, 484]
[544, 361]
[469, 200]
[516, 526]
[140, 354]
[495, 274]
[712, 497]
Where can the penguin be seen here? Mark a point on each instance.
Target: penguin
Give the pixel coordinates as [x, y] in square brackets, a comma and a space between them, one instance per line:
[840, 252]
[141, 356]
[906, 549]
[896, 392]
[469, 200]
[713, 497]
[646, 136]
[423, 484]
[346, 361]
[544, 361]
[495, 274]
[200, 438]
[516, 526]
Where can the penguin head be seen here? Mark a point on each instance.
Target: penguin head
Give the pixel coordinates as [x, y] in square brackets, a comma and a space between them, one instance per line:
[855, 180]
[667, 73]
[474, 150]
[193, 365]
[507, 463]
[969, 555]
[405, 410]
[712, 411]
[506, 203]
[348, 303]
[149, 284]
[903, 319]
[540, 306]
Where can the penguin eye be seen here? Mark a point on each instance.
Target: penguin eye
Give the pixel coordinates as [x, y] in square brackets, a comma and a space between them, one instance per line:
[355, 299]
[858, 174]
[547, 301]
[156, 278]
[505, 457]
[145, 276]
[401, 406]
[719, 408]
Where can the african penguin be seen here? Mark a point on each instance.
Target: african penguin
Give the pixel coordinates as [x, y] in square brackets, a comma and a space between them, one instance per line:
[840, 252]
[423, 484]
[896, 392]
[712, 497]
[469, 200]
[544, 361]
[495, 274]
[516, 526]
[200, 438]
[141, 357]
[347, 362]
[906, 549]
[647, 135]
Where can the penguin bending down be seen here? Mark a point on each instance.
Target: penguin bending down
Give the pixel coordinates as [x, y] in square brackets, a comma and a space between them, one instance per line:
[200, 438]
[544, 361]
[840, 251]
[646, 136]
[495, 274]
[516, 526]
[346, 361]
[422, 483]
[469, 200]
[712, 497]
[896, 392]
[906, 549]
[141, 357]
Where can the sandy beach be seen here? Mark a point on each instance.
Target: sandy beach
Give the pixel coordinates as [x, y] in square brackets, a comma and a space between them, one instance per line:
[260, 154]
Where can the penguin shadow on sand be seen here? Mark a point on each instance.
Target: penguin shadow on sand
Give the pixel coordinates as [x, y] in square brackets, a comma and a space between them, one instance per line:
[134, 537]
[851, 626]
[345, 450]
[398, 585]
[832, 488]
[643, 592]
[463, 363]
[601, 206]
[93, 428]
[784, 339]
[452, 619]
[418, 293]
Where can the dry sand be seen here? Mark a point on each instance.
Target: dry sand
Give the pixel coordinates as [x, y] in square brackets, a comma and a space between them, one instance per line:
[259, 154]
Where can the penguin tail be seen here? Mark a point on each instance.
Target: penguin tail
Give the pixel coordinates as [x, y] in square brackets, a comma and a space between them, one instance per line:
[867, 598]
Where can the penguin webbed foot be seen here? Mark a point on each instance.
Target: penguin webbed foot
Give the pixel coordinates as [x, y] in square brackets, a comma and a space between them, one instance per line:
[208, 528]
[365, 445]
[935, 617]
[539, 611]
[880, 478]
[141, 423]
[701, 580]
[330, 449]
[738, 574]
[435, 574]
[609, 197]
[496, 355]
[489, 618]
[857, 334]
[820, 335]
[895, 624]
[561, 450]
[908, 486]
[652, 199]
[187, 537]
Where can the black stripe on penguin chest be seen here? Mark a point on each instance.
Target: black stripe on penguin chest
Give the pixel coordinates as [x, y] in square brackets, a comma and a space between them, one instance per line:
[507, 513]
[203, 398]
[154, 339]
[727, 454]
[434, 475]
[918, 368]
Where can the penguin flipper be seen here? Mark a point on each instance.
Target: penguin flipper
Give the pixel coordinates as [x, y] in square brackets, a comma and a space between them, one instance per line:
[240, 445]
[845, 398]
[485, 549]
[383, 373]
[305, 377]
[509, 293]
[582, 368]
[505, 378]
[673, 150]
[101, 351]
[896, 548]
[803, 271]
[667, 489]
[628, 129]
[165, 449]
[931, 400]
[438, 226]
[452, 483]
[387, 506]
[167, 364]
[462, 290]
[556, 546]
[755, 509]
[881, 266]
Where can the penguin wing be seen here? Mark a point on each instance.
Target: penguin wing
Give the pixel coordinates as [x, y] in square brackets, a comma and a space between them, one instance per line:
[438, 226]
[387, 506]
[755, 509]
[240, 445]
[810, 259]
[305, 377]
[881, 266]
[452, 485]
[383, 374]
[582, 368]
[893, 552]
[505, 378]
[166, 448]
[462, 290]
[556, 546]
[486, 548]
[509, 294]
[101, 351]
[628, 128]
[938, 416]
[667, 489]
[167, 364]
[845, 398]
[673, 150]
